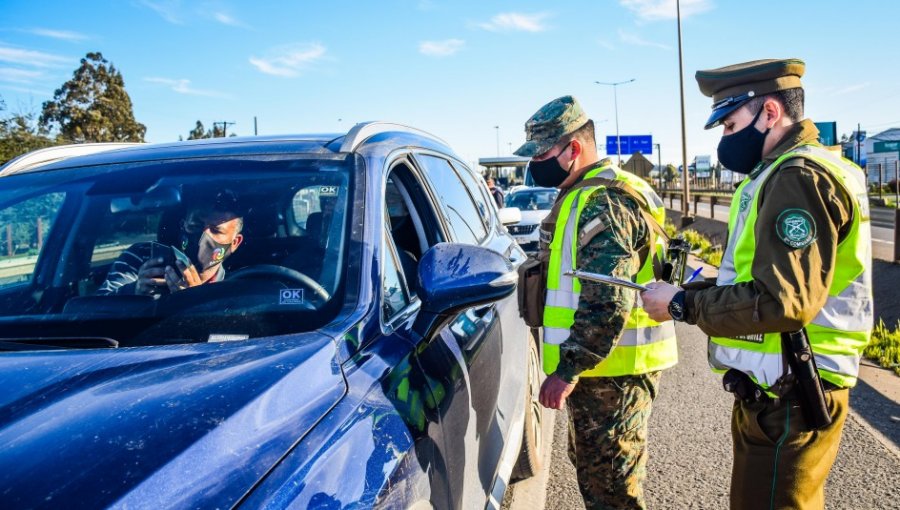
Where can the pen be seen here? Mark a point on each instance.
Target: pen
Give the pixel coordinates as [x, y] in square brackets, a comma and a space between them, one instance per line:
[694, 274]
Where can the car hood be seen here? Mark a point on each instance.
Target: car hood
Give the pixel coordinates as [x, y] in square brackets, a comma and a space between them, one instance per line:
[530, 217]
[187, 425]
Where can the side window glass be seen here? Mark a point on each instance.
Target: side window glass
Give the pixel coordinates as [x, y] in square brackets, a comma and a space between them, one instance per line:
[120, 231]
[462, 215]
[23, 232]
[395, 297]
[478, 190]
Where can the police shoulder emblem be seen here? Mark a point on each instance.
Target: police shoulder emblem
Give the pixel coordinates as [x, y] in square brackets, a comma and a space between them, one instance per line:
[796, 228]
[745, 201]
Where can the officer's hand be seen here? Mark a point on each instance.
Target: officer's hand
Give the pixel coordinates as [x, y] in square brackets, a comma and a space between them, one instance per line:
[150, 277]
[656, 300]
[183, 278]
[554, 392]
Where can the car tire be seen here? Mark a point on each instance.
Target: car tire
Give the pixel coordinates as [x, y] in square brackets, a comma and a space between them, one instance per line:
[531, 455]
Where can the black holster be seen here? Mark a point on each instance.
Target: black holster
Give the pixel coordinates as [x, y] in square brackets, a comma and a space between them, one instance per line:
[808, 386]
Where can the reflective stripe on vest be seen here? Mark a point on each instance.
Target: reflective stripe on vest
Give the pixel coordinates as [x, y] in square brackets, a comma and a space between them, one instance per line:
[841, 329]
[645, 345]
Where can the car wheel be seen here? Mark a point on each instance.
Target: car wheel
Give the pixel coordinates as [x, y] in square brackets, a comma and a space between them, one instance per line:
[532, 453]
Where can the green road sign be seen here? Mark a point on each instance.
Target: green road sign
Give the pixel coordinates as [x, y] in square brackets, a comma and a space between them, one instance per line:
[892, 146]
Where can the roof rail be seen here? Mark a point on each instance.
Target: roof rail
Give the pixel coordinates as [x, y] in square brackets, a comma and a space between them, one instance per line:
[41, 157]
[365, 130]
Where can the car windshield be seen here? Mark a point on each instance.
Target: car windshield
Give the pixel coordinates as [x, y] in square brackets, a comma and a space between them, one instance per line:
[175, 251]
[532, 200]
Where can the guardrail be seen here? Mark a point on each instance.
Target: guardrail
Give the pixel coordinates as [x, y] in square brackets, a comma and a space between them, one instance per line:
[713, 198]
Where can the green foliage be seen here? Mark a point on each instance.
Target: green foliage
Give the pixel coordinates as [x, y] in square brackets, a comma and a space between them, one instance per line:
[200, 132]
[19, 133]
[885, 346]
[93, 106]
[703, 248]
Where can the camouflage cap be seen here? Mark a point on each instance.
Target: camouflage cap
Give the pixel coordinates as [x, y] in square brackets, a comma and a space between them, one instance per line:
[732, 86]
[549, 124]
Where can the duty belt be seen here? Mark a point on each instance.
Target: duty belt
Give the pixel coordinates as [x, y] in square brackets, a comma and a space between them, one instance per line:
[743, 387]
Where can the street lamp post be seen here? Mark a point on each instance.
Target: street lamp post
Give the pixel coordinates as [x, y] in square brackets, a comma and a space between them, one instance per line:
[615, 85]
[659, 165]
[498, 140]
[686, 218]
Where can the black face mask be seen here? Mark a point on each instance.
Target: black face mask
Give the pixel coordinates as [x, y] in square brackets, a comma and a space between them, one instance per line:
[742, 151]
[203, 251]
[549, 173]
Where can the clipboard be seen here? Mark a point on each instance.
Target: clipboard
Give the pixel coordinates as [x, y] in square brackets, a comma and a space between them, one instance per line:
[603, 278]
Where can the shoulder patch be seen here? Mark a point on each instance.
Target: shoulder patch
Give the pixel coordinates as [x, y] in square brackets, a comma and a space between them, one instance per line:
[796, 228]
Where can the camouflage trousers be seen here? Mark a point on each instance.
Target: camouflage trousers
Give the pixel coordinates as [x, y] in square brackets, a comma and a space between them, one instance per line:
[608, 438]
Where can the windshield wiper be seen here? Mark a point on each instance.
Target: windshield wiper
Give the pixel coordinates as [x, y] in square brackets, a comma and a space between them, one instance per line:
[56, 343]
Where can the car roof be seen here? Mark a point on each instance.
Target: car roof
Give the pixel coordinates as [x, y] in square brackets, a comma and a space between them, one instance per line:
[90, 154]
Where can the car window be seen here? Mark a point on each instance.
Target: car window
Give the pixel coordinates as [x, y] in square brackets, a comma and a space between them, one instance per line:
[532, 200]
[395, 297]
[24, 228]
[461, 213]
[478, 189]
[267, 241]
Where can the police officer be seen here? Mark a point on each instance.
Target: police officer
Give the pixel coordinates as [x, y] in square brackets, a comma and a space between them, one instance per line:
[798, 256]
[602, 356]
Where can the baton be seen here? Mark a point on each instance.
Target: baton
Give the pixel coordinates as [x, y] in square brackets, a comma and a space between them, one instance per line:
[603, 278]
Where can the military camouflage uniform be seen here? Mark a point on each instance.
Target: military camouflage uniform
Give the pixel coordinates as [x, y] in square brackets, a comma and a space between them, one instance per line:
[608, 415]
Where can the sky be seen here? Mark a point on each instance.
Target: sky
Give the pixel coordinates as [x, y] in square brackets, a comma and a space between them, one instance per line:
[469, 72]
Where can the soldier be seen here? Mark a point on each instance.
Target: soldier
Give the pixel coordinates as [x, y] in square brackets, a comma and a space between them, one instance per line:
[602, 356]
[798, 257]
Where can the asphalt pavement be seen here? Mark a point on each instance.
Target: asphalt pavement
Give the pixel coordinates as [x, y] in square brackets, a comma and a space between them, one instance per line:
[690, 445]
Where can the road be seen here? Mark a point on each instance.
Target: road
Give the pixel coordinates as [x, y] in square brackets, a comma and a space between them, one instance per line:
[690, 445]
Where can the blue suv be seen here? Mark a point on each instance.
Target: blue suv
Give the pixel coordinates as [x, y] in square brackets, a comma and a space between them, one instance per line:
[353, 342]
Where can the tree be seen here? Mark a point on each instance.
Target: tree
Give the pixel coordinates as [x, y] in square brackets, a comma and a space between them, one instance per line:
[93, 106]
[19, 133]
[198, 132]
[671, 173]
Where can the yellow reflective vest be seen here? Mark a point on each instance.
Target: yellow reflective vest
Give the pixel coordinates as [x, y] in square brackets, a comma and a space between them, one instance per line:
[842, 328]
[645, 345]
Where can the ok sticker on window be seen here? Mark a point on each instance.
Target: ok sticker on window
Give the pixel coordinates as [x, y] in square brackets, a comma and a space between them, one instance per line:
[290, 297]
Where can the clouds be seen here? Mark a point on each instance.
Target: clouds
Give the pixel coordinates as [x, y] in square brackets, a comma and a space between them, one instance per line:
[32, 58]
[63, 35]
[443, 48]
[177, 13]
[654, 10]
[636, 40]
[183, 86]
[516, 22]
[289, 61]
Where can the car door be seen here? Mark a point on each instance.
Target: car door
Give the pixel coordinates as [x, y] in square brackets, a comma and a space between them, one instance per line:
[470, 417]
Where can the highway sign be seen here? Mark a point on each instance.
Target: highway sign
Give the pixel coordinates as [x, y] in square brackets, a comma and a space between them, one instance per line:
[827, 133]
[630, 144]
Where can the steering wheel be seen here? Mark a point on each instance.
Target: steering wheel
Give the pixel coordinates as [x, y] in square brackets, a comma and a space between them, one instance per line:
[284, 274]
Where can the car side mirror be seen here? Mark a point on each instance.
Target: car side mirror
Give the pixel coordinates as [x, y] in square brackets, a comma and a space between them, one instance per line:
[454, 277]
[510, 215]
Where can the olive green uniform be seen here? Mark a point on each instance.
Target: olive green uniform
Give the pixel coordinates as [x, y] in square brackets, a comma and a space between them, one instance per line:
[778, 461]
[789, 287]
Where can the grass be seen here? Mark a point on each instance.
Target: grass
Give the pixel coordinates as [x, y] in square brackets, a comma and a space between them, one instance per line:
[703, 248]
[885, 346]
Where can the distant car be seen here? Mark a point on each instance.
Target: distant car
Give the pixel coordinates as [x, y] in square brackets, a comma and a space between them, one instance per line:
[364, 348]
[535, 205]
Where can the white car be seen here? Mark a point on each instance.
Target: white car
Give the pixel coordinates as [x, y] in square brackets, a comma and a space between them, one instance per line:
[534, 204]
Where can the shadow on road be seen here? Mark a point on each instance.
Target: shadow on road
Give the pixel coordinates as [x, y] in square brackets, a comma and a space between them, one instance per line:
[879, 411]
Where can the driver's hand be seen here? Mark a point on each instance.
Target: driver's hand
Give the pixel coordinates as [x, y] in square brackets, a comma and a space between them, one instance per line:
[151, 277]
[182, 278]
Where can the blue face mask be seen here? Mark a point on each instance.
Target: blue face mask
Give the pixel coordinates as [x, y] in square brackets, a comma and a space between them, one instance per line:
[742, 151]
[549, 173]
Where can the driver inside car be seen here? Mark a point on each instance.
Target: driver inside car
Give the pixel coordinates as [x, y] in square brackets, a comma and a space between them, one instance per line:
[209, 233]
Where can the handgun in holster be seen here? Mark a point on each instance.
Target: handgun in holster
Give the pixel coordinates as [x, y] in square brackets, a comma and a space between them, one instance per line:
[808, 386]
[676, 261]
